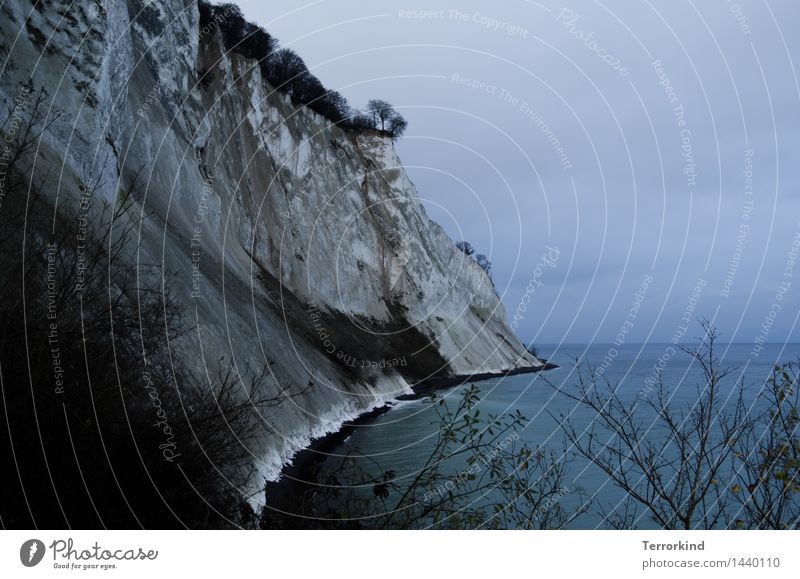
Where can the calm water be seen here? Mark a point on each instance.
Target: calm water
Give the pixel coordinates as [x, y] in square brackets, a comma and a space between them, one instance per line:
[401, 439]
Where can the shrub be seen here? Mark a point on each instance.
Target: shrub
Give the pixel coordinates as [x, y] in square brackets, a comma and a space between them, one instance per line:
[287, 73]
[466, 247]
[500, 481]
[99, 425]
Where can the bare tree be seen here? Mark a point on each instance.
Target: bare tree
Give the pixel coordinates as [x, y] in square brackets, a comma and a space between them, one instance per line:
[288, 72]
[238, 34]
[381, 113]
[679, 465]
[767, 473]
[397, 126]
[479, 473]
[360, 121]
[466, 247]
[90, 391]
[386, 119]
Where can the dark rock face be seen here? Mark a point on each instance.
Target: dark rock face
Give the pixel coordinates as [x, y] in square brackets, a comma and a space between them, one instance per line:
[290, 242]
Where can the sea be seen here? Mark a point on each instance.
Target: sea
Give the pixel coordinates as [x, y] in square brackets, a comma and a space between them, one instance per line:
[401, 439]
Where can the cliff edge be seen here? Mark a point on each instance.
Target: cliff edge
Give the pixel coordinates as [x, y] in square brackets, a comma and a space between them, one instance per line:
[293, 245]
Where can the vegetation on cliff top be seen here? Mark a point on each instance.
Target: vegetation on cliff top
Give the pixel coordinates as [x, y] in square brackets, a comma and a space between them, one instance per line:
[287, 72]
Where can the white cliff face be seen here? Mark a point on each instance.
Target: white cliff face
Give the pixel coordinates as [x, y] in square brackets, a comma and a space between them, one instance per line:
[292, 243]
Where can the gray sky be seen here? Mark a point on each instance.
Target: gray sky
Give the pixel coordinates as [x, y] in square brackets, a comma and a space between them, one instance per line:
[616, 132]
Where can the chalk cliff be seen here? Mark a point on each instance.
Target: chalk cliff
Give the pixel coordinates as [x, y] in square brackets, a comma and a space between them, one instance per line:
[294, 245]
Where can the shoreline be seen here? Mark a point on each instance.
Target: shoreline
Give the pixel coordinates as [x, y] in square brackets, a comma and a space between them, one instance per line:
[281, 495]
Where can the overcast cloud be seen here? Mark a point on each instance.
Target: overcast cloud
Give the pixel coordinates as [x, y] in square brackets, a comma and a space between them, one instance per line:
[618, 133]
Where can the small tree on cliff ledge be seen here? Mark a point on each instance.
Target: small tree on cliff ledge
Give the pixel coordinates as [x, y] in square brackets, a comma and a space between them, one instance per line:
[385, 118]
[466, 247]
[381, 112]
[397, 126]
